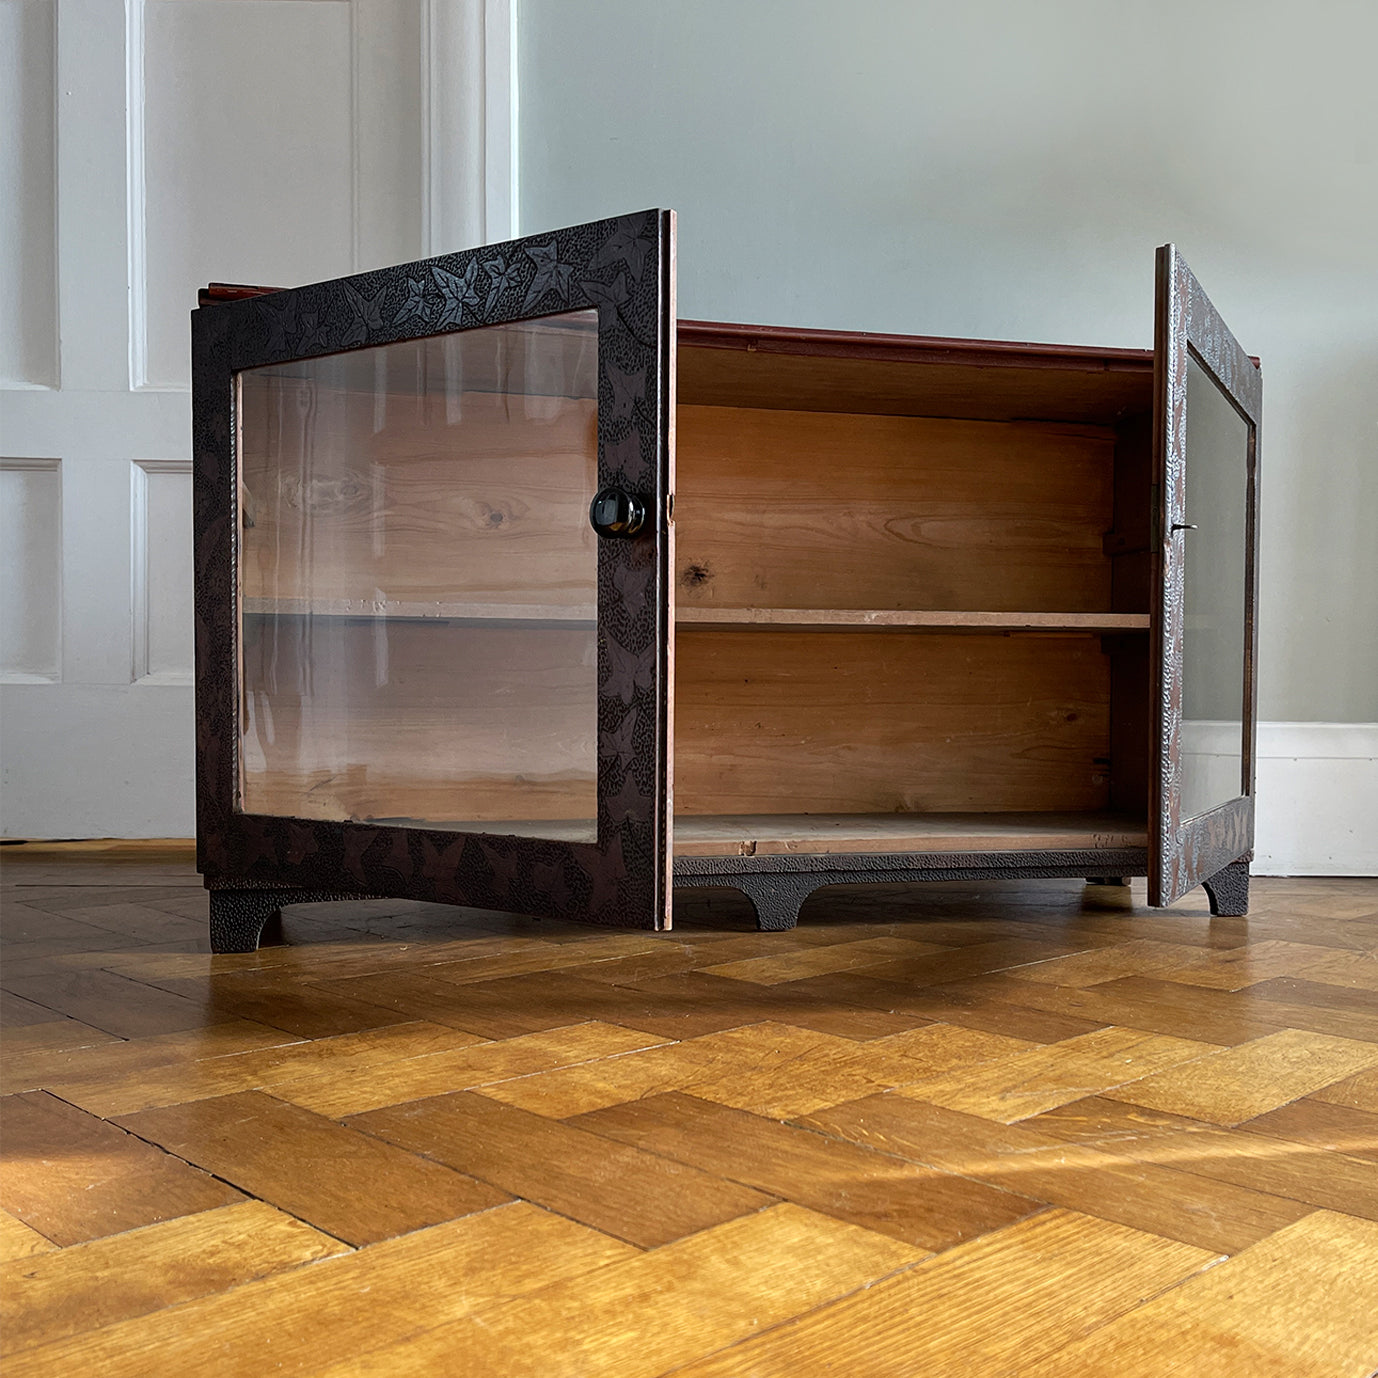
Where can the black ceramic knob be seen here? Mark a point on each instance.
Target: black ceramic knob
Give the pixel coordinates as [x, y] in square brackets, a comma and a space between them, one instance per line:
[614, 512]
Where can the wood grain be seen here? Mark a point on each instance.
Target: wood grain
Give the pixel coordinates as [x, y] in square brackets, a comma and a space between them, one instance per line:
[987, 1307]
[1341, 1128]
[1298, 1305]
[74, 1177]
[630, 1195]
[933, 1210]
[341, 1181]
[1210, 1214]
[827, 833]
[1239, 1083]
[371, 1088]
[640, 1317]
[825, 619]
[19, 1241]
[1037, 1079]
[141, 1271]
[851, 722]
[816, 509]
[302, 1321]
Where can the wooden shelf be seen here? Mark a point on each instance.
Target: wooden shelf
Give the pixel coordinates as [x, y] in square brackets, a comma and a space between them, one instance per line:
[778, 834]
[478, 614]
[851, 619]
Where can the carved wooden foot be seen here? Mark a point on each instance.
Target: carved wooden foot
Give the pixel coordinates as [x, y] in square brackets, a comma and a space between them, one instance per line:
[238, 917]
[1228, 890]
[776, 898]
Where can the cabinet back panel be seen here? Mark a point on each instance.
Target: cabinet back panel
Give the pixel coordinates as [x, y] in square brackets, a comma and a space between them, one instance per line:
[424, 720]
[843, 722]
[806, 509]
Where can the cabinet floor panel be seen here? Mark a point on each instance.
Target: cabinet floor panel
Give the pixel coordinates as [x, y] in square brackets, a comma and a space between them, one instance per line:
[851, 619]
[833, 833]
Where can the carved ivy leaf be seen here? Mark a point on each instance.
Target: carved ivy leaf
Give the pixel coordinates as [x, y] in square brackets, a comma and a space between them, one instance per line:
[502, 866]
[368, 314]
[624, 456]
[440, 864]
[301, 842]
[629, 243]
[356, 842]
[627, 390]
[398, 857]
[415, 305]
[501, 276]
[549, 877]
[456, 292]
[618, 743]
[628, 671]
[551, 274]
[312, 332]
[628, 802]
[281, 320]
[632, 585]
[607, 296]
[607, 878]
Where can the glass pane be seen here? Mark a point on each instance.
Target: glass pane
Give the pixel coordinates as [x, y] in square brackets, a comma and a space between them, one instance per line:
[418, 582]
[1217, 494]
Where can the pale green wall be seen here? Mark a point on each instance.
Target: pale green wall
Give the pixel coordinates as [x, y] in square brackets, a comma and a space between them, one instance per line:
[1005, 168]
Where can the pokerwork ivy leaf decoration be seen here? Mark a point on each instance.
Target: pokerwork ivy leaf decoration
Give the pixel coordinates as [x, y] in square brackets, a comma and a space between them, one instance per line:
[551, 274]
[368, 314]
[414, 305]
[280, 320]
[457, 291]
[501, 276]
[627, 389]
[627, 672]
[629, 243]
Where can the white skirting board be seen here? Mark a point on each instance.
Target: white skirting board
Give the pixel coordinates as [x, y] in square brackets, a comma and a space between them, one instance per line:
[1317, 791]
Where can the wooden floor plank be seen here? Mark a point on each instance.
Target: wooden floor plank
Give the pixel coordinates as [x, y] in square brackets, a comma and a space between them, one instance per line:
[123, 1059]
[1321, 1178]
[53, 1034]
[128, 1009]
[1142, 956]
[345, 1183]
[1297, 1305]
[1340, 1128]
[989, 1307]
[931, 1209]
[358, 1090]
[305, 1320]
[1240, 967]
[184, 1079]
[1359, 1091]
[142, 1271]
[1037, 1079]
[772, 969]
[1221, 1217]
[639, 1197]
[20, 1241]
[646, 1316]
[73, 1177]
[1239, 1083]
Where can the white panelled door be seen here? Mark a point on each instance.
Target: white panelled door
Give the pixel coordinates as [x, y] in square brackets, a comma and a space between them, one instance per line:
[156, 145]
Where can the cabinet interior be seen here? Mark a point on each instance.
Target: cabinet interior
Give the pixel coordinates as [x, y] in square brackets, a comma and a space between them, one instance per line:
[912, 600]
[912, 594]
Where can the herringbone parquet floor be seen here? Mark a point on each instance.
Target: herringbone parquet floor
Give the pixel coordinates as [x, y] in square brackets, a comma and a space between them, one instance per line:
[1020, 1128]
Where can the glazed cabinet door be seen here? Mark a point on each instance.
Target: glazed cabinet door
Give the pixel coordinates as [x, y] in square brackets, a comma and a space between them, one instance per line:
[1208, 397]
[432, 538]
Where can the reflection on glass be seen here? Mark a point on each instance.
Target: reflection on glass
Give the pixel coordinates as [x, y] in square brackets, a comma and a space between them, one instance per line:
[418, 582]
[1217, 488]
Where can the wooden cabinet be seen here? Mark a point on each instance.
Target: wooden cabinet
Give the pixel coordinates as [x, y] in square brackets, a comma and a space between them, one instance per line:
[514, 590]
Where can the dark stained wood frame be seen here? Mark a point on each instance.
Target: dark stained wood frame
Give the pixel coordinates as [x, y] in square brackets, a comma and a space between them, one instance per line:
[624, 268]
[1184, 853]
